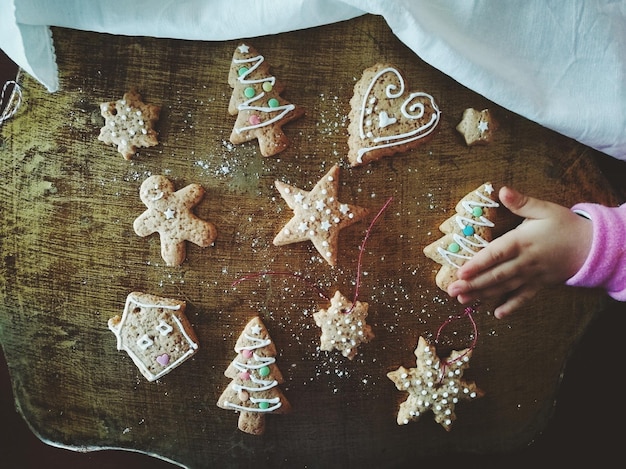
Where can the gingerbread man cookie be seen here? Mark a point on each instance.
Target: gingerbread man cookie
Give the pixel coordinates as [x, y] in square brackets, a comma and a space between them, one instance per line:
[170, 214]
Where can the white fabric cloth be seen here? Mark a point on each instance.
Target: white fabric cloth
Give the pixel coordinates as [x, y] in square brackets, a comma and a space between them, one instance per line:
[559, 63]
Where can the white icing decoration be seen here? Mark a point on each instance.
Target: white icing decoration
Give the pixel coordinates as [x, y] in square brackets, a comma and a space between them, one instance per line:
[246, 105]
[407, 110]
[136, 359]
[384, 120]
[469, 248]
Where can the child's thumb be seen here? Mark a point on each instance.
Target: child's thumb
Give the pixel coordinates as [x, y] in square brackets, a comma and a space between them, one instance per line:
[521, 204]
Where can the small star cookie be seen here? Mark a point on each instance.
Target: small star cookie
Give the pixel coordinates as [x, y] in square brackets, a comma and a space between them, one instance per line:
[343, 326]
[129, 124]
[434, 385]
[477, 127]
[318, 215]
[169, 213]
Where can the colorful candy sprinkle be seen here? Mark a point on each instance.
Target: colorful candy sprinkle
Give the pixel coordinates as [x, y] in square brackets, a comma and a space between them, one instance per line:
[246, 353]
[254, 119]
[249, 92]
[264, 405]
[242, 71]
[454, 247]
[264, 371]
[477, 212]
[273, 102]
[468, 230]
[267, 86]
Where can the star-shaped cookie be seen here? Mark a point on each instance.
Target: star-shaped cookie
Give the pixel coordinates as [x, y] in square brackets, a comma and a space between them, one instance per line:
[318, 215]
[129, 124]
[477, 127]
[170, 214]
[343, 326]
[434, 385]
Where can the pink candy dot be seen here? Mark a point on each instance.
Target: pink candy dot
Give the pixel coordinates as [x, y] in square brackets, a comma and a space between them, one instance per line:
[244, 375]
[246, 353]
[254, 120]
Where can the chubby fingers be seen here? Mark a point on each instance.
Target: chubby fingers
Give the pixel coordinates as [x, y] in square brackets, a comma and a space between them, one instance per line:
[523, 205]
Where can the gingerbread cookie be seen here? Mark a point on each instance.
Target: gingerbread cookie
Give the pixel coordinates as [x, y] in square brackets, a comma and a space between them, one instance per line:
[155, 333]
[434, 385]
[261, 111]
[343, 326]
[386, 118]
[468, 231]
[170, 214]
[254, 390]
[129, 124]
[477, 127]
[318, 215]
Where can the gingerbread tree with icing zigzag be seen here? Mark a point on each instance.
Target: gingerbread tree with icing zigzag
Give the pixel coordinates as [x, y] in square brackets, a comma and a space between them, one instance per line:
[261, 111]
[254, 390]
[468, 231]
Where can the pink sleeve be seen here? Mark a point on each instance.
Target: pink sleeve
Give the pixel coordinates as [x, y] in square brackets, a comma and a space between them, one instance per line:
[605, 266]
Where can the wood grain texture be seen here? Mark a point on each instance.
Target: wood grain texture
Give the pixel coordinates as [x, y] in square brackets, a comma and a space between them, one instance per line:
[70, 257]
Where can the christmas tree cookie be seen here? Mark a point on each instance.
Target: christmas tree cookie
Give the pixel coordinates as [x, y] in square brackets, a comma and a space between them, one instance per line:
[434, 385]
[466, 232]
[254, 390]
[261, 111]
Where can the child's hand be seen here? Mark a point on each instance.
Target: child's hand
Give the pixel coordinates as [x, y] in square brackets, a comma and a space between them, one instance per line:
[547, 248]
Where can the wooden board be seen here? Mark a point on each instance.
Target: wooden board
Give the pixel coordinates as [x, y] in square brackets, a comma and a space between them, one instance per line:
[70, 257]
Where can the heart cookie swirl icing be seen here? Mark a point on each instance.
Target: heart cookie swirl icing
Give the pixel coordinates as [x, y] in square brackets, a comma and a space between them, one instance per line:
[381, 128]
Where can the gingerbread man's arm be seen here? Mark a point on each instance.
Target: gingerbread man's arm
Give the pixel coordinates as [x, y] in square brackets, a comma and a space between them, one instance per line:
[146, 223]
[189, 196]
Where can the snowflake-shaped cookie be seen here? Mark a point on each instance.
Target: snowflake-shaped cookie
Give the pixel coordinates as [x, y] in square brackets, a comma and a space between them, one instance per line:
[318, 215]
[434, 385]
[343, 326]
[129, 124]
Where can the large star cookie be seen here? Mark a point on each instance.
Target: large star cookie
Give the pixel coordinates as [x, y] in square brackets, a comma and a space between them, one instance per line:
[385, 117]
[343, 326]
[434, 385]
[129, 124]
[318, 215]
[170, 214]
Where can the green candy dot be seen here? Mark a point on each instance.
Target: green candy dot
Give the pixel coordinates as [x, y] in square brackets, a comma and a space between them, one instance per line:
[264, 405]
[273, 102]
[477, 211]
[267, 86]
[249, 92]
[242, 71]
[264, 371]
[454, 247]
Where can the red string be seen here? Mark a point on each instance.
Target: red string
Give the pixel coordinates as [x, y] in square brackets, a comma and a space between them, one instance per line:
[319, 291]
[467, 312]
[359, 263]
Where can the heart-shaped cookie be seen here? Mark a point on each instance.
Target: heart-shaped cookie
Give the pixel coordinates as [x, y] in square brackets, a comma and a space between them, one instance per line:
[386, 118]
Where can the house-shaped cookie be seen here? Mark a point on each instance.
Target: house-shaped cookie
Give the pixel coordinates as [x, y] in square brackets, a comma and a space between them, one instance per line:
[155, 333]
